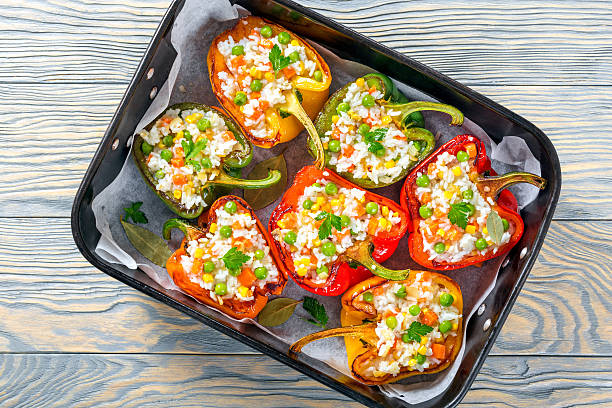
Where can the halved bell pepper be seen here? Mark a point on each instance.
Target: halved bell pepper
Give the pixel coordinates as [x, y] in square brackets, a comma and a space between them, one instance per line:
[414, 339]
[450, 227]
[232, 272]
[361, 138]
[176, 164]
[331, 233]
[249, 86]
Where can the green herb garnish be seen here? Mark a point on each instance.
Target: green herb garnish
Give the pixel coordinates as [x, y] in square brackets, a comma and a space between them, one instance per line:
[233, 259]
[459, 214]
[401, 293]
[316, 310]
[329, 221]
[416, 330]
[373, 138]
[278, 60]
[135, 214]
[495, 226]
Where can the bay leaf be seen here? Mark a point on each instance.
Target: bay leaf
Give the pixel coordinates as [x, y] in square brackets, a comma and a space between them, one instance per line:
[495, 226]
[277, 311]
[151, 246]
[263, 197]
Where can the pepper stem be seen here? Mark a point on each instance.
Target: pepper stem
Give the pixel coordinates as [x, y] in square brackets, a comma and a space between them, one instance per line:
[492, 186]
[362, 253]
[189, 230]
[416, 106]
[423, 135]
[224, 179]
[362, 331]
[293, 106]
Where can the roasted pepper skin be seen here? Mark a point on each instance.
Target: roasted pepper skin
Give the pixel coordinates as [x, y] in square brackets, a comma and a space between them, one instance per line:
[314, 94]
[506, 207]
[415, 121]
[231, 307]
[341, 275]
[232, 163]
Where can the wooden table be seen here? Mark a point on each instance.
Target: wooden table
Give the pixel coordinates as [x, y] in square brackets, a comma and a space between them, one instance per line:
[72, 336]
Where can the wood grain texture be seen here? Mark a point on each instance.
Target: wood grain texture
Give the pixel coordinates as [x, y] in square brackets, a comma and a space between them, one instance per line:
[563, 309]
[50, 140]
[477, 42]
[239, 381]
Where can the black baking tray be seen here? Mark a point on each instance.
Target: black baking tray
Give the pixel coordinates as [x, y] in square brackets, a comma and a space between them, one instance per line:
[496, 120]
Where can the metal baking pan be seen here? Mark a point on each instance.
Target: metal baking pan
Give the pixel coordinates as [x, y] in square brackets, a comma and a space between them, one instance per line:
[496, 120]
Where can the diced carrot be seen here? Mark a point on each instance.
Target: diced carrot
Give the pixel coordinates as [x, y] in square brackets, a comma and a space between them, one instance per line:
[177, 162]
[179, 152]
[196, 268]
[255, 95]
[360, 209]
[428, 317]
[470, 148]
[438, 351]
[237, 61]
[372, 90]
[290, 220]
[351, 168]
[264, 105]
[179, 179]
[425, 197]
[372, 226]
[265, 43]
[247, 277]
[439, 213]
[348, 151]
[431, 168]
[166, 120]
[289, 72]
[228, 136]
[149, 157]
[236, 225]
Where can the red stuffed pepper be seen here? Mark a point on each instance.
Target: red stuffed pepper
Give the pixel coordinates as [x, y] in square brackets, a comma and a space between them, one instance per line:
[460, 213]
[331, 234]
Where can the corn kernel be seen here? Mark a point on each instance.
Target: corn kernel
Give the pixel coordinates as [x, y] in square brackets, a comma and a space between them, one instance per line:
[295, 43]
[335, 118]
[320, 200]
[448, 194]
[304, 213]
[316, 243]
[341, 197]
[335, 202]
[457, 171]
[441, 232]
[455, 326]
[386, 120]
[213, 227]
[281, 223]
[412, 362]
[199, 252]
[315, 207]
[355, 117]
[207, 278]
[269, 76]
[325, 145]
[424, 340]
[485, 230]
[390, 164]
[422, 350]
[202, 176]
[301, 271]
[385, 210]
[301, 64]
[193, 118]
[177, 194]
[244, 291]
[489, 242]
[242, 109]
[360, 82]
[470, 229]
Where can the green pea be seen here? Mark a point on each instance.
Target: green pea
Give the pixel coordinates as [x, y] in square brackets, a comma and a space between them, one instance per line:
[322, 270]
[481, 244]
[380, 152]
[368, 101]
[331, 189]
[266, 31]
[166, 155]
[209, 266]
[414, 310]
[425, 211]
[334, 146]
[467, 194]
[446, 299]
[317, 185]
[364, 128]
[256, 85]
[328, 249]
[343, 107]
[206, 163]
[471, 208]
[230, 207]
[406, 338]
[290, 237]
[203, 124]
[420, 359]
[372, 208]
[368, 297]
[259, 254]
[294, 56]
[146, 148]
[240, 98]
[168, 141]
[345, 220]
[237, 50]
[317, 75]
[505, 224]
[235, 271]
[220, 289]
[225, 231]
[445, 326]
[307, 204]
[261, 272]
[439, 247]
[391, 322]
[462, 156]
[284, 37]
[422, 180]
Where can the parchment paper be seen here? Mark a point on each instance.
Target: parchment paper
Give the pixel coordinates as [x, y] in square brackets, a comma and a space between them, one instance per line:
[192, 33]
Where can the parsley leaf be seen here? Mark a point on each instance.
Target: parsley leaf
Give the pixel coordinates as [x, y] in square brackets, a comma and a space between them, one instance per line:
[459, 214]
[278, 60]
[373, 138]
[329, 221]
[233, 259]
[375, 146]
[401, 293]
[197, 166]
[187, 146]
[316, 310]
[416, 330]
[196, 148]
[135, 214]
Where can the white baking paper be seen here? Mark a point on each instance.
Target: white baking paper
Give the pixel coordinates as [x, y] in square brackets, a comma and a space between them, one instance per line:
[191, 35]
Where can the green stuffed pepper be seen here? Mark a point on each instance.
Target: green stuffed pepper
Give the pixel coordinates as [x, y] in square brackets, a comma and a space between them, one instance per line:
[372, 135]
[190, 153]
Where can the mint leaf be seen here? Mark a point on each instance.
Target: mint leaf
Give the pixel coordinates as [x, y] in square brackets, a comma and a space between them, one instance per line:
[416, 330]
[135, 214]
[278, 60]
[459, 214]
[316, 310]
[233, 259]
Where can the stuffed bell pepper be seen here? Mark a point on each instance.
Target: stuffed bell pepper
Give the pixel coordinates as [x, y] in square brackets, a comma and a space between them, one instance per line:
[460, 213]
[372, 135]
[331, 234]
[270, 80]
[231, 265]
[411, 327]
[185, 155]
